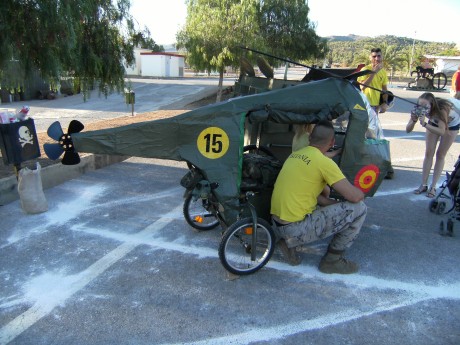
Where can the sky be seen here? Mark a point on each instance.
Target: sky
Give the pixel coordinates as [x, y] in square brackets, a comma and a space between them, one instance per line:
[426, 20]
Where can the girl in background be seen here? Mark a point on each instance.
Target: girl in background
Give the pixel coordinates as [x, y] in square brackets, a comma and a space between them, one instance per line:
[442, 126]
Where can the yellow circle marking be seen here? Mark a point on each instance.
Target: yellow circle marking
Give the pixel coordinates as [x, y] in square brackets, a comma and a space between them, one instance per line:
[367, 179]
[213, 142]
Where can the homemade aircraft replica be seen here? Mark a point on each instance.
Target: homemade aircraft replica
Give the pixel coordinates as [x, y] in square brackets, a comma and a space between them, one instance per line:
[234, 151]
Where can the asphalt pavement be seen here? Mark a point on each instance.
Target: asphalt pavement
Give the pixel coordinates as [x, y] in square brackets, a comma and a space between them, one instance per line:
[114, 262]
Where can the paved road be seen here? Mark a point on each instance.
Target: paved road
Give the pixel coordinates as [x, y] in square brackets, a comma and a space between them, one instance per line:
[150, 95]
[113, 262]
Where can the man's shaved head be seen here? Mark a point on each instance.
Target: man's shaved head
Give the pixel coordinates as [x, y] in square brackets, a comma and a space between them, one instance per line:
[322, 134]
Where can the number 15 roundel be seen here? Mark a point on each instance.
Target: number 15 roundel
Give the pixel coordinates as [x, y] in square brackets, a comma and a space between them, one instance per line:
[212, 142]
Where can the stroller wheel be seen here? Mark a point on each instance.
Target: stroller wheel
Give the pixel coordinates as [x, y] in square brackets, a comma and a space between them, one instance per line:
[441, 207]
[450, 228]
[434, 206]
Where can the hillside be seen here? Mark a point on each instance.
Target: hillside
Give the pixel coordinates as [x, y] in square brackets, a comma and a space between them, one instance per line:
[399, 52]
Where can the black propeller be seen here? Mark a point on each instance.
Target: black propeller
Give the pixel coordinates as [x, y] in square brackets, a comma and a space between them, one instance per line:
[64, 142]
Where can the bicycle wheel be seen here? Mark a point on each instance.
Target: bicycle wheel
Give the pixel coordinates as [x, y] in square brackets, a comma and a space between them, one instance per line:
[258, 150]
[439, 80]
[414, 74]
[236, 246]
[196, 214]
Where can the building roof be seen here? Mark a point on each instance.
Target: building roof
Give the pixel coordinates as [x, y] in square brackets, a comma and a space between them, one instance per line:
[442, 57]
[163, 53]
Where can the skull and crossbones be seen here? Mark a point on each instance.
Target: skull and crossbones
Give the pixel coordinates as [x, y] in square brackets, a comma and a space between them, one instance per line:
[25, 137]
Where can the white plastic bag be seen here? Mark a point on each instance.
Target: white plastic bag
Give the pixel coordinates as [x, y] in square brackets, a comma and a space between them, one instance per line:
[30, 190]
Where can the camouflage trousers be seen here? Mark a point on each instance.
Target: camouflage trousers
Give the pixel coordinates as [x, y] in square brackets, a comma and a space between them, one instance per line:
[343, 221]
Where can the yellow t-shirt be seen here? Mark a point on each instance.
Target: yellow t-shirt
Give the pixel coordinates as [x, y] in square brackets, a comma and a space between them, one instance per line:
[380, 79]
[303, 177]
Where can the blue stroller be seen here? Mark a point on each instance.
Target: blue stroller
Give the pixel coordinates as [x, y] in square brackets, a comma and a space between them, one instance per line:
[450, 191]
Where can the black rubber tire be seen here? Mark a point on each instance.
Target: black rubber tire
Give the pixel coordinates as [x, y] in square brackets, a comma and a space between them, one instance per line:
[441, 207]
[192, 209]
[450, 227]
[433, 206]
[439, 81]
[235, 246]
[259, 150]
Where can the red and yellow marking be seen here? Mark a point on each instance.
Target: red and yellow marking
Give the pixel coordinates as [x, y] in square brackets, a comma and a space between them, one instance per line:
[366, 178]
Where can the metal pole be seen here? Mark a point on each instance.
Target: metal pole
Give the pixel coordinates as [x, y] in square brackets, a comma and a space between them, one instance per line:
[412, 55]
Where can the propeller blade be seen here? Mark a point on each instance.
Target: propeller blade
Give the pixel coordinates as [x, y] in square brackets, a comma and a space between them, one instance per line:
[70, 158]
[55, 130]
[53, 151]
[75, 127]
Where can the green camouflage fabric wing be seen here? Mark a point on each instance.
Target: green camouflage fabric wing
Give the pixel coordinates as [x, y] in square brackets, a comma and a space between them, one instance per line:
[211, 137]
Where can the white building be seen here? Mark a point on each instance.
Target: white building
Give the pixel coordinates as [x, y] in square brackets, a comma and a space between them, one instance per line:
[162, 65]
[445, 64]
[149, 64]
[136, 69]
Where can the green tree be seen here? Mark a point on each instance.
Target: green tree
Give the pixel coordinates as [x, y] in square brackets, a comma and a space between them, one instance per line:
[90, 40]
[213, 31]
[287, 31]
[216, 29]
[399, 52]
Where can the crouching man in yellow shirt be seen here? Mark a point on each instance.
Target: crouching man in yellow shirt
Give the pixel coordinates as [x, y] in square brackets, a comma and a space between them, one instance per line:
[302, 212]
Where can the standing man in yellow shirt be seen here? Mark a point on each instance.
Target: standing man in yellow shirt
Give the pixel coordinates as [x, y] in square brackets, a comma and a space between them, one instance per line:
[377, 80]
[302, 213]
[372, 83]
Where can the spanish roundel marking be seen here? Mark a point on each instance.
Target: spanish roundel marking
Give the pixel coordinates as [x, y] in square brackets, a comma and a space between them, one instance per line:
[366, 177]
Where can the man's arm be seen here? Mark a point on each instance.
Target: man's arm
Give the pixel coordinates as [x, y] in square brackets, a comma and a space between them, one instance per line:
[384, 106]
[366, 82]
[348, 191]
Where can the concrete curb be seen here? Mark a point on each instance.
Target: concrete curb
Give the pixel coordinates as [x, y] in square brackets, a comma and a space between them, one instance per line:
[56, 174]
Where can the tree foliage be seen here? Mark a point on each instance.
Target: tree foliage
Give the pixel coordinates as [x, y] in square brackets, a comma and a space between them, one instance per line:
[215, 30]
[91, 40]
[398, 52]
[287, 31]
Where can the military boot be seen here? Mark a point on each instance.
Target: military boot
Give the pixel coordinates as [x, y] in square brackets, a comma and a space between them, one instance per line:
[289, 254]
[334, 262]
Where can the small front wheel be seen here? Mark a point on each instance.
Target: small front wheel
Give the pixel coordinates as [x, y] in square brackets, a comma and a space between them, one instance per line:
[439, 80]
[236, 249]
[433, 206]
[450, 227]
[197, 215]
[441, 207]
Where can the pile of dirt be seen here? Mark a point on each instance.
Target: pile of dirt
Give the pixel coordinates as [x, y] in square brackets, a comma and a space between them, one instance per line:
[8, 170]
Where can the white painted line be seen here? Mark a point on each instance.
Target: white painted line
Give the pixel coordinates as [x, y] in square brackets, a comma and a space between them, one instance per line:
[389, 124]
[409, 159]
[394, 192]
[406, 136]
[51, 290]
[269, 334]
[65, 287]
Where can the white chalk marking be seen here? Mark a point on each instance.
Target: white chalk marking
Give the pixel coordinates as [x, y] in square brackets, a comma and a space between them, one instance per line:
[63, 214]
[409, 159]
[64, 287]
[394, 192]
[67, 286]
[278, 332]
[406, 136]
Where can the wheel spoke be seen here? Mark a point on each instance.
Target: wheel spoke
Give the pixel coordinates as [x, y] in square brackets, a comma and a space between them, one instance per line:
[235, 250]
[197, 215]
